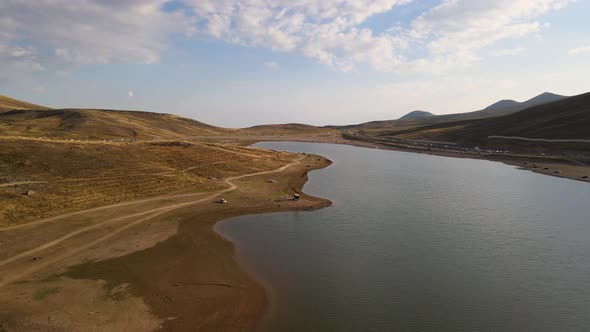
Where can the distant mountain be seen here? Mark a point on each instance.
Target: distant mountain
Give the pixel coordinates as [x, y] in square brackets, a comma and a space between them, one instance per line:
[546, 97]
[500, 108]
[566, 118]
[507, 106]
[416, 115]
[502, 105]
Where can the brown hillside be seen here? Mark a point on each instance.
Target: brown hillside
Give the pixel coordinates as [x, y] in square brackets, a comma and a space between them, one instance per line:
[564, 119]
[23, 119]
[45, 178]
[101, 124]
[7, 103]
[284, 130]
[501, 108]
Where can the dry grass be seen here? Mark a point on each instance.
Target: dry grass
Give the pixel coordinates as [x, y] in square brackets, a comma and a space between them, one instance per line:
[147, 267]
[69, 176]
[98, 125]
[21, 119]
[54, 161]
[101, 124]
[7, 103]
[284, 130]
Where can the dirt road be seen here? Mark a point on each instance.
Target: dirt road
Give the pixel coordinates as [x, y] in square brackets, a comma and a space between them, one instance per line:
[22, 270]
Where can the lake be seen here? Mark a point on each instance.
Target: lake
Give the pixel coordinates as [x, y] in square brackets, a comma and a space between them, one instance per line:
[422, 243]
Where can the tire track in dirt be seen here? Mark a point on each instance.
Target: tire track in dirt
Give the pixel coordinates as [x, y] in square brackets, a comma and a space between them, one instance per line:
[11, 184]
[151, 214]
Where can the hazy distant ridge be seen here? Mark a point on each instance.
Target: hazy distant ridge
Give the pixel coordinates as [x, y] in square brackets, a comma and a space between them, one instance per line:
[508, 105]
[416, 115]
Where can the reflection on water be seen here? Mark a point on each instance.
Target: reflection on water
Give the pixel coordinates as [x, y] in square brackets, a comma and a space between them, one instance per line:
[423, 243]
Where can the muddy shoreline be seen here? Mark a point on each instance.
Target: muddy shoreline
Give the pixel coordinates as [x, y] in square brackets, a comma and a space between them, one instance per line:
[192, 280]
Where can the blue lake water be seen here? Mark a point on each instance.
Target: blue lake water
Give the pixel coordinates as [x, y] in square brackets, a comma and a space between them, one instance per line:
[422, 243]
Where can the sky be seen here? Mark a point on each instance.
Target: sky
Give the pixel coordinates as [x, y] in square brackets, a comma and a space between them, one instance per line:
[238, 63]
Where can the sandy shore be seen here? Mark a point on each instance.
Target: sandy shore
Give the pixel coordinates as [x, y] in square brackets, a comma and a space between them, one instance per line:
[172, 273]
[192, 278]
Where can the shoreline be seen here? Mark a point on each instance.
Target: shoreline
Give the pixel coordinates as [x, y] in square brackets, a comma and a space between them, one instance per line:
[451, 154]
[255, 302]
[546, 165]
[267, 291]
[241, 311]
[266, 287]
[173, 272]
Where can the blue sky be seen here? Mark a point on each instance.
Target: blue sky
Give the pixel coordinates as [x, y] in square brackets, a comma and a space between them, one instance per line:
[238, 63]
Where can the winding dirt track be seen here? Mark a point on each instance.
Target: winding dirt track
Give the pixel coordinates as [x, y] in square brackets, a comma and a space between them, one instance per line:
[15, 275]
[18, 183]
[43, 221]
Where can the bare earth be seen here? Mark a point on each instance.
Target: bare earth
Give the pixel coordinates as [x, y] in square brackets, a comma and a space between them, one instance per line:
[143, 265]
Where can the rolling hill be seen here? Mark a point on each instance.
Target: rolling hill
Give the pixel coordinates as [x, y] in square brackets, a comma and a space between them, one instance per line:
[567, 118]
[499, 108]
[18, 118]
[288, 129]
[509, 106]
[101, 124]
[7, 103]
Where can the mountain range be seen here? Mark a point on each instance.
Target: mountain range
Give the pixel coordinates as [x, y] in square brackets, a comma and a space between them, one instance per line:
[509, 105]
[409, 121]
[547, 116]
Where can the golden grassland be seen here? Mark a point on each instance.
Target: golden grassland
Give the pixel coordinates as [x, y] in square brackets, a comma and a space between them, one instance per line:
[40, 179]
[101, 124]
[7, 103]
[147, 264]
[112, 126]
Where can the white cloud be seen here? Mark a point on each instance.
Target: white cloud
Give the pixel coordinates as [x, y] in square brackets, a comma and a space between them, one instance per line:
[509, 51]
[325, 30]
[272, 65]
[449, 35]
[18, 62]
[130, 93]
[579, 50]
[85, 32]
[454, 31]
